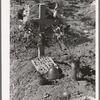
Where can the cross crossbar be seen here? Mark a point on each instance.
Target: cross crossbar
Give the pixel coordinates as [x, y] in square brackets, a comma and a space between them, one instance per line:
[42, 20]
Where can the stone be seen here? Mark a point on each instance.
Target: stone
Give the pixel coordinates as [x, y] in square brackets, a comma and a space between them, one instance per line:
[46, 95]
[53, 73]
[26, 14]
[86, 31]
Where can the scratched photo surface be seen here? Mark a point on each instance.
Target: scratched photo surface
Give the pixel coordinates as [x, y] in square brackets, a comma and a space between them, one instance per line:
[52, 49]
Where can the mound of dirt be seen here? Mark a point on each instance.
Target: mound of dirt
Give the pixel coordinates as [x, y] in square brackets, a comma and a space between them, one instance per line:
[79, 42]
[87, 14]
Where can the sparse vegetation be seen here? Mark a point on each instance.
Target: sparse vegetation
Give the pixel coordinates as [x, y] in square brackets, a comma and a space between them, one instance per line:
[78, 40]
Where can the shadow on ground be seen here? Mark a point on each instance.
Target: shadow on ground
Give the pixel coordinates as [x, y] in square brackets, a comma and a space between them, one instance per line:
[74, 39]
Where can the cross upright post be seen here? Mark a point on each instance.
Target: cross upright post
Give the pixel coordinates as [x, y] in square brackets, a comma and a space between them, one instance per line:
[42, 21]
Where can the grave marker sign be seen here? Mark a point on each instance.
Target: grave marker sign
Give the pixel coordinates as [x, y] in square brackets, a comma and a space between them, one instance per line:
[43, 64]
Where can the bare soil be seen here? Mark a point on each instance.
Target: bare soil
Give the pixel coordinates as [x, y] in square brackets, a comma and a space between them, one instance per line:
[23, 76]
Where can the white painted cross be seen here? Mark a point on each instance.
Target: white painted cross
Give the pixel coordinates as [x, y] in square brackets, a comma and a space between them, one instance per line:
[42, 21]
[42, 16]
[41, 63]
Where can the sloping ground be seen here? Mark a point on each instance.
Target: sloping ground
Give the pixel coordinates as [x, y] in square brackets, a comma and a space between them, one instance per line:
[24, 78]
[87, 14]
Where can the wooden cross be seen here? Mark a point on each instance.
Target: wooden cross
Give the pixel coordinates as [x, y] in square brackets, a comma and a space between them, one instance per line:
[42, 21]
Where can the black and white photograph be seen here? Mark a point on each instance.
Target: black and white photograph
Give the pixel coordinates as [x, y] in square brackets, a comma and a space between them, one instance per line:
[52, 49]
